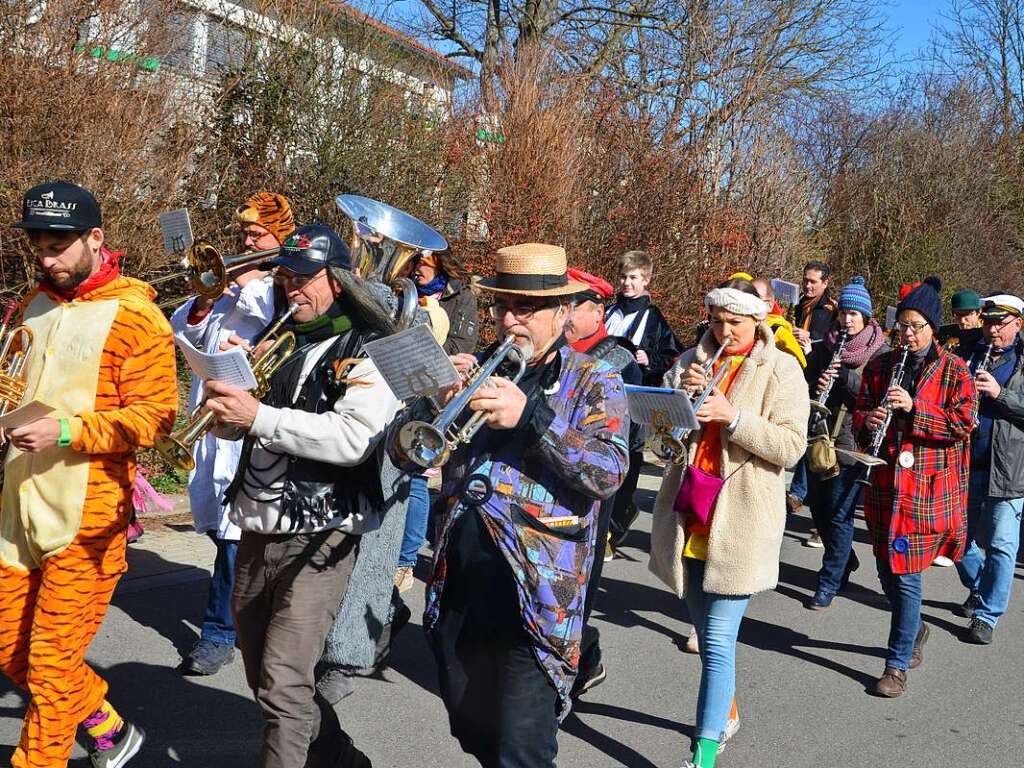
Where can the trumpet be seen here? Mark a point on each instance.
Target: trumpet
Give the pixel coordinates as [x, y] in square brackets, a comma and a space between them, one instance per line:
[668, 443]
[176, 448]
[208, 271]
[818, 407]
[431, 444]
[12, 361]
[871, 458]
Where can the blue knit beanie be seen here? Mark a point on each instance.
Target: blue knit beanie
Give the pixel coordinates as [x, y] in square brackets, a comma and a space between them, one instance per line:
[926, 299]
[855, 297]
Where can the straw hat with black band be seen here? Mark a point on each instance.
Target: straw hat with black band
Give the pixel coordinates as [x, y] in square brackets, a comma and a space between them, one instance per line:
[531, 269]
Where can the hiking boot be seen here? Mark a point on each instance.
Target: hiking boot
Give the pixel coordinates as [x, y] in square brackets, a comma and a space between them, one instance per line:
[404, 578]
[814, 541]
[922, 637]
[793, 503]
[969, 605]
[333, 684]
[127, 744]
[821, 601]
[891, 684]
[979, 632]
[206, 658]
[591, 678]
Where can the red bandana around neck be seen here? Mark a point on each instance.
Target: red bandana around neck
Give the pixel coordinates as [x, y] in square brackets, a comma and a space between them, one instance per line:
[585, 345]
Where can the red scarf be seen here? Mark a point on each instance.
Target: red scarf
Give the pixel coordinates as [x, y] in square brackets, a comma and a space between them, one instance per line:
[587, 344]
[108, 271]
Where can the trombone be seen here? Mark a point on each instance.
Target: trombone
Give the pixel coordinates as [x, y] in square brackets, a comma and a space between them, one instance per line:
[176, 448]
[431, 444]
[208, 272]
[668, 443]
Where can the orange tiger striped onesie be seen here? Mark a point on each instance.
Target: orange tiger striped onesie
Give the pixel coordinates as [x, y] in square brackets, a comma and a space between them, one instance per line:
[105, 361]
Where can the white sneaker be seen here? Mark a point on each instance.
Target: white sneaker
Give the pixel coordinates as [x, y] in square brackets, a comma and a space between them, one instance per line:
[942, 561]
[732, 726]
[814, 541]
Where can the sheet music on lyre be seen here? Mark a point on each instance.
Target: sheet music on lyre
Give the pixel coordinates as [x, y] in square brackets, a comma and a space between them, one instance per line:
[786, 293]
[412, 363]
[231, 367]
[661, 405]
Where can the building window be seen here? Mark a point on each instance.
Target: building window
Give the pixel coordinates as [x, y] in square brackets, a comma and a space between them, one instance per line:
[226, 48]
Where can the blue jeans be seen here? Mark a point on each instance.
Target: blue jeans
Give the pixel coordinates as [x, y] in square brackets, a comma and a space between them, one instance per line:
[415, 521]
[992, 525]
[218, 623]
[832, 504]
[904, 593]
[798, 486]
[717, 619]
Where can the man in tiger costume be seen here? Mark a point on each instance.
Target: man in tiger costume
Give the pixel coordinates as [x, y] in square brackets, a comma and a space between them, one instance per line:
[102, 358]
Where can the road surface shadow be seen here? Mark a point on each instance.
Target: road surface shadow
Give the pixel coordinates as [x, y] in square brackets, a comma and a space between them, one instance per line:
[616, 750]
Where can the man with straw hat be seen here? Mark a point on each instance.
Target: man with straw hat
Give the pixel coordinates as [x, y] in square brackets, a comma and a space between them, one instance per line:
[505, 603]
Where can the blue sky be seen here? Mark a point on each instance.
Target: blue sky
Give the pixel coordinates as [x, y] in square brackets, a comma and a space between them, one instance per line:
[913, 21]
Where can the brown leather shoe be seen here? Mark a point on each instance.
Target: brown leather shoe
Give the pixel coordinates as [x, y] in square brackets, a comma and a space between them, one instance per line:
[919, 641]
[793, 503]
[891, 684]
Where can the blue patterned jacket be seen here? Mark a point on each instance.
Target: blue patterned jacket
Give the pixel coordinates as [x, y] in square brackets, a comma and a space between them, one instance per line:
[563, 471]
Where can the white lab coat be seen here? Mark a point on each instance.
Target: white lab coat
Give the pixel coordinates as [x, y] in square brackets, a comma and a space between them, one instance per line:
[245, 313]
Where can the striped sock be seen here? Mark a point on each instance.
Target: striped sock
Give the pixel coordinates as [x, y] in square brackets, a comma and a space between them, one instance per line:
[103, 726]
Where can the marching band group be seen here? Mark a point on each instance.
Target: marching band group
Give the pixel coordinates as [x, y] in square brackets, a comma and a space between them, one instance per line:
[316, 486]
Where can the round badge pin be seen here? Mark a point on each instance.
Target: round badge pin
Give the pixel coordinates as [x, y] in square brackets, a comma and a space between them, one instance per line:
[476, 490]
[906, 459]
[901, 544]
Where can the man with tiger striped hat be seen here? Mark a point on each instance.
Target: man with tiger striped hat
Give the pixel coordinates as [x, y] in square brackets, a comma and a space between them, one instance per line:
[103, 360]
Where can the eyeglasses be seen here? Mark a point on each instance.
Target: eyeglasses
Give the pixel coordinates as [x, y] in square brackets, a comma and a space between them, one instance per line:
[915, 328]
[247, 234]
[997, 325]
[522, 311]
[295, 281]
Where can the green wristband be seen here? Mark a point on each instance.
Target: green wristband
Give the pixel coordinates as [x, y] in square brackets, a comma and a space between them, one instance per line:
[64, 440]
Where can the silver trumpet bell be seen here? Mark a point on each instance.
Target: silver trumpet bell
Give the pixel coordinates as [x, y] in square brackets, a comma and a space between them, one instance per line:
[384, 239]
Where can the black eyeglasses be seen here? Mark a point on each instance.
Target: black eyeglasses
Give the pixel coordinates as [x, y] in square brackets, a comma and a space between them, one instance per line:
[520, 310]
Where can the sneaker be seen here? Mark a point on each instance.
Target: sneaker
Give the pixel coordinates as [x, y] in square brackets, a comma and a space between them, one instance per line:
[793, 503]
[732, 727]
[404, 578]
[979, 632]
[692, 643]
[126, 746]
[943, 562]
[891, 684]
[922, 637]
[206, 658]
[969, 605]
[814, 541]
[609, 549]
[590, 679]
[334, 685]
[821, 601]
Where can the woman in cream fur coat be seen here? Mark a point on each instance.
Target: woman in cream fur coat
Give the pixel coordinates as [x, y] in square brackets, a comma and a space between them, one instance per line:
[752, 427]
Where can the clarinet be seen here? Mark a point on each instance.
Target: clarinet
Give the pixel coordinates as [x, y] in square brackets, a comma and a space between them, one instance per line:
[878, 436]
[985, 361]
[818, 406]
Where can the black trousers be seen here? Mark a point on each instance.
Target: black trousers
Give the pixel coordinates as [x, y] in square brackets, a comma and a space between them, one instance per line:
[501, 705]
[623, 499]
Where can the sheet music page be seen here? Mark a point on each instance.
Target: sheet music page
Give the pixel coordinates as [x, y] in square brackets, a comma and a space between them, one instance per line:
[231, 367]
[412, 363]
[673, 406]
[786, 293]
[25, 414]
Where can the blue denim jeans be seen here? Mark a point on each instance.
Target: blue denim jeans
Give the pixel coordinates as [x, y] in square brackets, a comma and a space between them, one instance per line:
[904, 593]
[415, 521]
[717, 619]
[798, 486]
[218, 623]
[993, 525]
[832, 504]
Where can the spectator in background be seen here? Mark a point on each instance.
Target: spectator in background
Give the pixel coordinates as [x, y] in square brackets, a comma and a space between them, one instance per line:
[633, 317]
[776, 320]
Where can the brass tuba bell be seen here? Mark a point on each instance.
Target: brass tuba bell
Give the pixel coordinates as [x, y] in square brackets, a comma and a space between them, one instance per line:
[13, 361]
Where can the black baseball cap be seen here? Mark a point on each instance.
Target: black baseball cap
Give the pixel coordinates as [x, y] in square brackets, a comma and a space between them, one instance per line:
[309, 249]
[61, 206]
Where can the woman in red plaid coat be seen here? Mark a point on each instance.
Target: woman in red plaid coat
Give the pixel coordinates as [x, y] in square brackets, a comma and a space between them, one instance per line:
[916, 505]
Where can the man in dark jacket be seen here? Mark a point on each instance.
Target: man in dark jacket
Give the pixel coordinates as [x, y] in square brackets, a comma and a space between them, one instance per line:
[454, 296]
[633, 317]
[586, 333]
[996, 488]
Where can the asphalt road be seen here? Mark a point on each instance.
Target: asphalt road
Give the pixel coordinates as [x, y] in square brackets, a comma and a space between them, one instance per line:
[801, 678]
